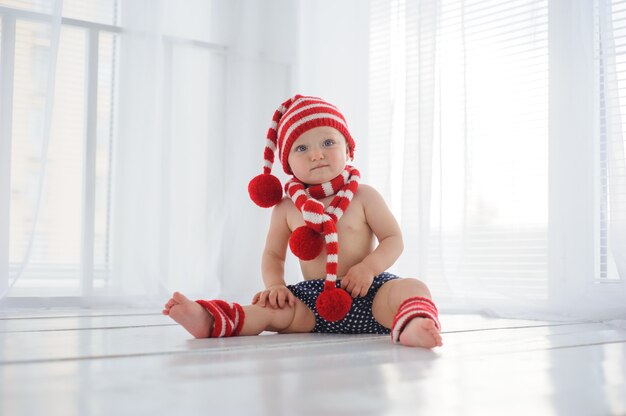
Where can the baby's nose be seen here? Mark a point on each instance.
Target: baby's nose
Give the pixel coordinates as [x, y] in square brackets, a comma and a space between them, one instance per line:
[317, 154]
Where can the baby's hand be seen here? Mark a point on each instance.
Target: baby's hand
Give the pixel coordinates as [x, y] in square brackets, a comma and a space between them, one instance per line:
[358, 280]
[278, 296]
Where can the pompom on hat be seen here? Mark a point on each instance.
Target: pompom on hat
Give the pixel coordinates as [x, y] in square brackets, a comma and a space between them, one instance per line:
[294, 117]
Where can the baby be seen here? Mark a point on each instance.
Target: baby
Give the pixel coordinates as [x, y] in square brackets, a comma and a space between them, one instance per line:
[331, 223]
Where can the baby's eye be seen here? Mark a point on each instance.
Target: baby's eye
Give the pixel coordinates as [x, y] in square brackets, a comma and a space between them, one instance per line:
[328, 142]
[300, 148]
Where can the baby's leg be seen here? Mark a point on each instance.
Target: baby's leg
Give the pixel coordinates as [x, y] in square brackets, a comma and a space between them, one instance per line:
[418, 332]
[198, 321]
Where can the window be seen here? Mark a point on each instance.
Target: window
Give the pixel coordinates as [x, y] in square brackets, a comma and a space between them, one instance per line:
[505, 161]
[67, 179]
[68, 156]
[467, 85]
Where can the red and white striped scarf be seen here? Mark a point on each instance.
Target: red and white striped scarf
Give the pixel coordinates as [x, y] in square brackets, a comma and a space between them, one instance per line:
[324, 221]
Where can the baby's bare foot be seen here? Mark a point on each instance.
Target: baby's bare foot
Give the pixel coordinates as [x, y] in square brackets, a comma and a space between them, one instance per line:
[193, 317]
[421, 332]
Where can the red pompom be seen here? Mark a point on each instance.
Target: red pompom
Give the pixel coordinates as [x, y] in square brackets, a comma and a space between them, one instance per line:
[305, 243]
[265, 190]
[333, 303]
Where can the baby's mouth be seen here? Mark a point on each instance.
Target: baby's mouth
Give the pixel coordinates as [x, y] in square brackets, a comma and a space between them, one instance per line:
[318, 167]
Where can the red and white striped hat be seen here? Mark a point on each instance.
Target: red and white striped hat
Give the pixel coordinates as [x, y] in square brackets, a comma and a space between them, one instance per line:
[293, 118]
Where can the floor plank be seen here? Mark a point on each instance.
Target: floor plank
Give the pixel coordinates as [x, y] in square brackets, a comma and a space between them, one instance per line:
[121, 363]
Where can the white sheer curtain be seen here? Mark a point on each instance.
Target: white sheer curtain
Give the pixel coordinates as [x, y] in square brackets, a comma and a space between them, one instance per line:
[168, 169]
[157, 199]
[487, 121]
[48, 31]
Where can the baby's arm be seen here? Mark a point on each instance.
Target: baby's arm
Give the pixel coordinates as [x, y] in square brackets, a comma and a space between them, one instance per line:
[273, 261]
[387, 231]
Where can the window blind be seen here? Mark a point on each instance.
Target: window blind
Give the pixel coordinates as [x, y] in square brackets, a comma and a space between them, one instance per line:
[479, 75]
[611, 62]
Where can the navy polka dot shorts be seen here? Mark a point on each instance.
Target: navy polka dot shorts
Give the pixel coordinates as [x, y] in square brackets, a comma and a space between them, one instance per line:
[359, 319]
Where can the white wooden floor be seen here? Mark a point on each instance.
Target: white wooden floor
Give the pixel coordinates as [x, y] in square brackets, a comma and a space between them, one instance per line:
[83, 362]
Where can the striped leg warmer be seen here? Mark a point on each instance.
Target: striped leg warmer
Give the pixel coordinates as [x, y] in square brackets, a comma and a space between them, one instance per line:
[413, 308]
[229, 317]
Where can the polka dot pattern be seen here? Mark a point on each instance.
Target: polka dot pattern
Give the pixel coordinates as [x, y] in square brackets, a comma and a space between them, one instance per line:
[359, 319]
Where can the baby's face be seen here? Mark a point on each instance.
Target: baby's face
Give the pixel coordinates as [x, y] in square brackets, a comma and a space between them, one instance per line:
[319, 155]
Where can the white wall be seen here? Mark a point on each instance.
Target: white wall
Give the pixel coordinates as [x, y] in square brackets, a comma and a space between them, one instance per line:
[332, 59]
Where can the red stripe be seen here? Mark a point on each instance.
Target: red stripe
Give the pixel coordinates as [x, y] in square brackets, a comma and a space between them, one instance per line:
[407, 312]
[285, 125]
[337, 183]
[412, 308]
[217, 320]
[300, 201]
[220, 308]
[242, 316]
[415, 307]
[332, 248]
[418, 298]
[276, 117]
[224, 316]
[320, 108]
[413, 311]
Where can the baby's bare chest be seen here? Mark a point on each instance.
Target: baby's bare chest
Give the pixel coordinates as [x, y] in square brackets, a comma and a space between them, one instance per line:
[351, 224]
[356, 241]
